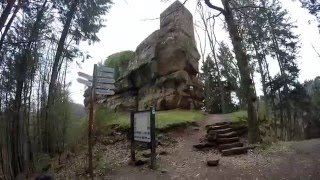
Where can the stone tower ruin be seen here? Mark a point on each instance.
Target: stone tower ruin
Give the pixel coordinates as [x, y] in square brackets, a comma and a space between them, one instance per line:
[164, 70]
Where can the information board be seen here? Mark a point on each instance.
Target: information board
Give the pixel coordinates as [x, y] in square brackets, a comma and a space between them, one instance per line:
[142, 130]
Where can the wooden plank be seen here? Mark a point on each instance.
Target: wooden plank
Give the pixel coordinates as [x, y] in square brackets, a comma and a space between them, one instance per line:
[218, 127]
[104, 92]
[85, 82]
[153, 137]
[86, 76]
[105, 69]
[234, 151]
[230, 145]
[104, 74]
[133, 154]
[228, 135]
[105, 80]
[227, 140]
[105, 86]
[222, 131]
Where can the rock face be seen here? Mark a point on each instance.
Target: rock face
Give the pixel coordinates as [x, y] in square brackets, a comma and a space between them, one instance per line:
[164, 69]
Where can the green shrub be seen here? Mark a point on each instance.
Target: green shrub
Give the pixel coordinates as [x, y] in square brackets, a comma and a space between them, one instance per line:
[119, 61]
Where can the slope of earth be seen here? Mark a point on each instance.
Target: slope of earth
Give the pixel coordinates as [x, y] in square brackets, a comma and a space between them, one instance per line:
[285, 160]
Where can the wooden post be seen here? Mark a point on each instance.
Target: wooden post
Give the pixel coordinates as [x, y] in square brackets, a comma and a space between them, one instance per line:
[90, 123]
[153, 137]
[133, 155]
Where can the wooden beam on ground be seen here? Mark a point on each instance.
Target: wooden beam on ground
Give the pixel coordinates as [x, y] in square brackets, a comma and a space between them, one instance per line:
[230, 145]
[227, 140]
[234, 151]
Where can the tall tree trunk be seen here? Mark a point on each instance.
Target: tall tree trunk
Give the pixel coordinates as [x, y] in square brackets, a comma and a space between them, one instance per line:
[244, 68]
[54, 73]
[4, 34]
[6, 13]
[263, 79]
[22, 66]
[16, 162]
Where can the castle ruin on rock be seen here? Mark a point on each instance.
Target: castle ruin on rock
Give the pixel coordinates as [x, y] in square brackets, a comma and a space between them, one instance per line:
[164, 69]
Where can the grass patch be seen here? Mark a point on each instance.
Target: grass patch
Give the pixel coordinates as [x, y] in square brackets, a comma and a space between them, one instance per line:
[238, 116]
[104, 118]
[164, 119]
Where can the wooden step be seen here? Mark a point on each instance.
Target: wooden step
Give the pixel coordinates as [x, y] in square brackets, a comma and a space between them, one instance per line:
[217, 127]
[220, 123]
[222, 131]
[228, 135]
[234, 151]
[227, 140]
[230, 145]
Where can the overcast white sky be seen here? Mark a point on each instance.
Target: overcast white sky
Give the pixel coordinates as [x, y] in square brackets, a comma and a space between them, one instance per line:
[126, 27]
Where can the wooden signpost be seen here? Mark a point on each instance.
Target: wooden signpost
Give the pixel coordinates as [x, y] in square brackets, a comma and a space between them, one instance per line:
[102, 83]
[142, 126]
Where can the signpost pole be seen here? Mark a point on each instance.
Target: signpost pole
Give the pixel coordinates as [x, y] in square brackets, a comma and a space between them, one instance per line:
[133, 155]
[153, 137]
[90, 123]
[101, 82]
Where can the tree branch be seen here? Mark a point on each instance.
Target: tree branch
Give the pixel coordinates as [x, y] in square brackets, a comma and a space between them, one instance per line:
[215, 15]
[315, 50]
[210, 5]
[248, 6]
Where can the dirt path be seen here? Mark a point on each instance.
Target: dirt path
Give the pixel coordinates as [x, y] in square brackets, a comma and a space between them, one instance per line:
[287, 160]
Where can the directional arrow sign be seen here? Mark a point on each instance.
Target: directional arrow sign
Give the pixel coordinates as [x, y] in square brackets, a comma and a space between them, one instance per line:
[105, 69]
[85, 82]
[86, 76]
[104, 92]
[104, 74]
[105, 86]
[105, 80]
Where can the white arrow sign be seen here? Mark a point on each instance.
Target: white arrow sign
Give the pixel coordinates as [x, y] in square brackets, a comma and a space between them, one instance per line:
[106, 75]
[85, 82]
[105, 80]
[104, 92]
[105, 86]
[105, 69]
[86, 76]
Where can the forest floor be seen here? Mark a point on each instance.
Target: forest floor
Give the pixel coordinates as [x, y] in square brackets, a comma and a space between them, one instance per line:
[284, 160]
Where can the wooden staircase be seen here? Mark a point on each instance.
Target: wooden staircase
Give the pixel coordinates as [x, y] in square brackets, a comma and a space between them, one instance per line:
[226, 135]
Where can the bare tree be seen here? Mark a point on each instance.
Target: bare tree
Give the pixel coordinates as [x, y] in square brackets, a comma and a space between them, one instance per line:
[244, 67]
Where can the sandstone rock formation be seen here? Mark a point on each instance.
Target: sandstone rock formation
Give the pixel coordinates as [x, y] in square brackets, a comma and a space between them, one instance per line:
[164, 69]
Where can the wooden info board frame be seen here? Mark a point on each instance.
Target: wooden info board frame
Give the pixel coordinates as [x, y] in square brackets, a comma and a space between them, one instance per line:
[139, 131]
